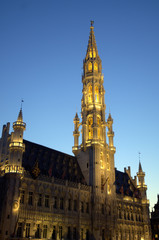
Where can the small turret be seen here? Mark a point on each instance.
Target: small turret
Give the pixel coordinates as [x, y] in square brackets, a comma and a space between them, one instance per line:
[76, 134]
[16, 146]
[110, 133]
[141, 182]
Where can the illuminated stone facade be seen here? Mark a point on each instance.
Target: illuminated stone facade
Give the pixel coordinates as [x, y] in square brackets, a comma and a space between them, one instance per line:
[46, 194]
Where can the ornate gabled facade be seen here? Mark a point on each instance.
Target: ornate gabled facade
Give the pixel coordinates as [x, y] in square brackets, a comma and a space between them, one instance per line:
[46, 194]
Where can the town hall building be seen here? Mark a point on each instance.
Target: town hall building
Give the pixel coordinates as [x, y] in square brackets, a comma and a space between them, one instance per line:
[47, 194]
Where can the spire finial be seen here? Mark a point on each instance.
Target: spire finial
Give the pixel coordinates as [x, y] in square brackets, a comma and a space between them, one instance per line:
[21, 103]
[92, 22]
[139, 156]
[140, 167]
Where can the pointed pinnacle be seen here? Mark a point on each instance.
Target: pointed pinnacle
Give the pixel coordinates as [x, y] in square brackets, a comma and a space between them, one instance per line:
[20, 116]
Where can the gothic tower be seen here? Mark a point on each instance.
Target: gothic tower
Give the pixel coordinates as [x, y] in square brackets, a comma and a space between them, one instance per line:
[95, 155]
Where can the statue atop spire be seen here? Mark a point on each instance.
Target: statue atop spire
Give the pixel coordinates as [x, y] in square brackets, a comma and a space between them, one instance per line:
[92, 22]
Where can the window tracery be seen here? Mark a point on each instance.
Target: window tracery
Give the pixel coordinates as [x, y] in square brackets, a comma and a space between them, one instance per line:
[96, 94]
[90, 129]
[90, 98]
[90, 67]
[96, 67]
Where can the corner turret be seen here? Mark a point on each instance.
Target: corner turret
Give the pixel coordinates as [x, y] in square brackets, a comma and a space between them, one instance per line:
[76, 134]
[110, 133]
[16, 146]
[141, 182]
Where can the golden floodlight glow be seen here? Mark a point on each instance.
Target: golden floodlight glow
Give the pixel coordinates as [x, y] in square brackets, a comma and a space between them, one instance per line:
[95, 67]
[16, 144]
[13, 169]
[90, 53]
[15, 206]
[94, 53]
[89, 66]
[127, 198]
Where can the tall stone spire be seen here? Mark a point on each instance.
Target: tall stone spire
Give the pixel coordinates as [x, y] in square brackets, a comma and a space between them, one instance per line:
[92, 61]
[92, 51]
[95, 156]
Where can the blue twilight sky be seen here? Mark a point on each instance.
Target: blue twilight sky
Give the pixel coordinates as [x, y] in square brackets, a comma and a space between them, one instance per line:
[42, 47]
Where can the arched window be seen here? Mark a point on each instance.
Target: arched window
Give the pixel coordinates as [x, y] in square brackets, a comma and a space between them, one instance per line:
[90, 67]
[96, 94]
[90, 99]
[90, 129]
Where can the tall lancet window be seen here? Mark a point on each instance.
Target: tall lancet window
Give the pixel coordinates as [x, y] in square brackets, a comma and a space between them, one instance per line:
[108, 186]
[90, 67]
[94, 53]
[90, 53]
[90, 129]
[96, 94]
[98, 122]
[96, 67]
[90, 98]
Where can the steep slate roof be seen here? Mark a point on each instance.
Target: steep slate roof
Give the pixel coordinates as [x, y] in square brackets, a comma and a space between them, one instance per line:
[42, 160]
[38, 160]
[124, 186]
